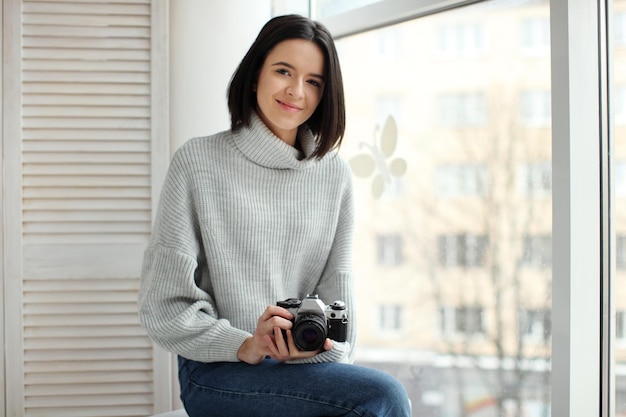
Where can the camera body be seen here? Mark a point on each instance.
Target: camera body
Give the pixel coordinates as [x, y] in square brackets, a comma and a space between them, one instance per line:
[314, 321]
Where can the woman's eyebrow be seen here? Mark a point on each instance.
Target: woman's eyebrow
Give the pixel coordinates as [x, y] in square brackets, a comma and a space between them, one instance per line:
[288, 65]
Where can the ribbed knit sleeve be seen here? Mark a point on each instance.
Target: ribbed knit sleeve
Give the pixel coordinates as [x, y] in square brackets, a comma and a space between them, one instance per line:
[178, 315]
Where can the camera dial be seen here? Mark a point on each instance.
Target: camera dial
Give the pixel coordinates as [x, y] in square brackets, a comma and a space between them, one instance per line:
[290, 303]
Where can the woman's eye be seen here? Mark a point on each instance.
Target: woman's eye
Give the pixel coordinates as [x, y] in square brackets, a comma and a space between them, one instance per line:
[315, 83]
[282, 71]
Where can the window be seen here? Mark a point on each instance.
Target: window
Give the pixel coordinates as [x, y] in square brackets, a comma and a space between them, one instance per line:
[620, 326]
[620, 105]
[389, 250]
[537, 251]
[620, 251]
[535, 179]
[536, 36]
[462, 250]
[619, 23]
[390, 318]
[535, 108]
[461, 180]
[462, 109]
[461, 39]
[535, 324]
[462, 321]
[391, 43]
[388, 105]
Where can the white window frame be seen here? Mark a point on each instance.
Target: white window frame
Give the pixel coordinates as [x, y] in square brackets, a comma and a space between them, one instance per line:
[582, 344]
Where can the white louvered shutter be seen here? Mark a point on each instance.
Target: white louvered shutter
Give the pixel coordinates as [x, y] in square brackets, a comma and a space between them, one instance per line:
[88, 137]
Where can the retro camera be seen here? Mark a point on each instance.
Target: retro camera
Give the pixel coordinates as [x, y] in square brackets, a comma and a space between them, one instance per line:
[314, 321]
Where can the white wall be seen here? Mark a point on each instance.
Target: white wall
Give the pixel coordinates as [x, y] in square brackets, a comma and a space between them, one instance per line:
[207, 41]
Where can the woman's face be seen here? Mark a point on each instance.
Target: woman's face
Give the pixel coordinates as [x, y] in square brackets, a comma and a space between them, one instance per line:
[290, 86]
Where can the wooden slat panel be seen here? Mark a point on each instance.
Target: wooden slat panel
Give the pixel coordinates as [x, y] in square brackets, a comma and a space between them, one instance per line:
[87, 111]
[108, 9]
[86, 181]
[87, 89]
[85, 123]
[46, 308]
[83, 261]
[86, 31]
[88, 136]
[98, 411]
[87, 355]
[91, 193]
[86, 77]
[79, 229]
[85, 238]
[43, 367]
[80, 43]
[86, 157]
[84, 20]
[92, 55]
[85, 400]
[86, 212]
[83, 389]
[119, 146]
[84, 65]
[92, 1]
[85, 169]
[93, 330]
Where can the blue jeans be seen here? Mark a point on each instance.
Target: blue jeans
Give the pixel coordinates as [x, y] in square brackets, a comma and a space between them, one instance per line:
[272, 388]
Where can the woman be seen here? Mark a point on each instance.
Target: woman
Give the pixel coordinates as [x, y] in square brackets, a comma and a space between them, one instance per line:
[255, 215]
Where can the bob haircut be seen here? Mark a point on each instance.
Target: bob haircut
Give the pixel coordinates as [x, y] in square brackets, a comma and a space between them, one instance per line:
[328, 121]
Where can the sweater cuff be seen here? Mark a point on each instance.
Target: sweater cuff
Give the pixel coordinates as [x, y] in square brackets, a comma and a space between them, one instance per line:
[226, 350]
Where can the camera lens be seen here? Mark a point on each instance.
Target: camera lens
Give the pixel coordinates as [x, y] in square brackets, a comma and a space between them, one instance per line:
[309, 332]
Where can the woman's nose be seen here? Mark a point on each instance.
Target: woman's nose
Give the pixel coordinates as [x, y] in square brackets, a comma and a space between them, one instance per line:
[295, 89]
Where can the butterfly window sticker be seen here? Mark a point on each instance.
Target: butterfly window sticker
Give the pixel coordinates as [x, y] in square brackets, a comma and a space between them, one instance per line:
[378, 159]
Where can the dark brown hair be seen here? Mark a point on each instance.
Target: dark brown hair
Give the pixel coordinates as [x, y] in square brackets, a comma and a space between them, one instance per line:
[328, 122]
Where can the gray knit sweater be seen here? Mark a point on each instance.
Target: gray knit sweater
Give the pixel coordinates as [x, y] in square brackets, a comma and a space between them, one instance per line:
[243, 222]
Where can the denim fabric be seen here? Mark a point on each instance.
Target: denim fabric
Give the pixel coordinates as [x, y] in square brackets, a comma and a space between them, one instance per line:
[224, 389]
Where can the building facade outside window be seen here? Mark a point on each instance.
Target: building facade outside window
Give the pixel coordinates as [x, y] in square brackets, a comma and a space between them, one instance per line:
[460, 259]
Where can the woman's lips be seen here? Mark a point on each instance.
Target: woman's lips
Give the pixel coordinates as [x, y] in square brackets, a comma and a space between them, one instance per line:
[288, 106]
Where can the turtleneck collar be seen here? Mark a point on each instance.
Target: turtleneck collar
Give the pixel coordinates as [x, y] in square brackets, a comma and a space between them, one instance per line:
[264, 148]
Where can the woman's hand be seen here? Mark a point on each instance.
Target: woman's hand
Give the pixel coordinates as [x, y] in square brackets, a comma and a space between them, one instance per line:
[284, 350]
[254, 349]
[268, 339]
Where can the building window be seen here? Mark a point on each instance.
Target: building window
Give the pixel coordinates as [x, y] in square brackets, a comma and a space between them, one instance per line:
[390, 318]
[462, 40]
[465, 250]
[535, 179]
[394, 189]
[620, 326]
[461, 180]
[462, 109]
[620, 105]
[391, 43]
[388, 105]
[536, 109]
[536, 36]
[619, 23]
[535, 324]
[620, 251]
[620, 178]
[390, 250]
[537, 251]
[462, 321]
